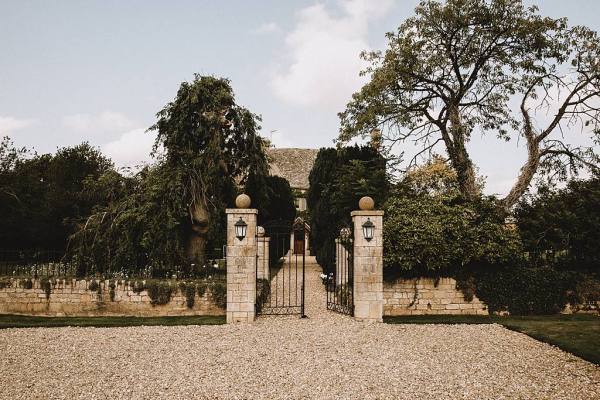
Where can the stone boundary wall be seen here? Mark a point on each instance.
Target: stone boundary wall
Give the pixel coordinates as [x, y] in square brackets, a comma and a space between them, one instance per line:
[73, 298]
[421, 296]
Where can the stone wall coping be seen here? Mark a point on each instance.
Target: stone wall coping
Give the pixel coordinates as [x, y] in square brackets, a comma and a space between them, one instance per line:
[241, 211]
[366, 213]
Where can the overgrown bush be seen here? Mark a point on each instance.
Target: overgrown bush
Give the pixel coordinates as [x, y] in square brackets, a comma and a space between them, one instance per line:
[160, 292]
[441, 235]
[218, 292]
[5, 283]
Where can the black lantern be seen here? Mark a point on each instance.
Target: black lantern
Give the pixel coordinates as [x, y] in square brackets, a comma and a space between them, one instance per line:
[240, 229]
[368, 229]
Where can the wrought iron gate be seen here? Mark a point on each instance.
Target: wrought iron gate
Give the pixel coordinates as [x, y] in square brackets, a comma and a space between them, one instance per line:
[340, 283]
[280, 281]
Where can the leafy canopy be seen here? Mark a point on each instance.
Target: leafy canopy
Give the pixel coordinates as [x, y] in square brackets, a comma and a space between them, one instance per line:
[458, 68]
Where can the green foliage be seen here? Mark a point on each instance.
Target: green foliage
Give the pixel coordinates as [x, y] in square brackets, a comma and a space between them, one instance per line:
[46, 286]
[111, 291]
[138, 287]
[94, 286]
[457, 68]
[188, 289]
[263, 291]
[437, 236]
[272, 196]
[560, 227]
[43, 196]
[339, 178]
[160, 292]
[522, 290]
[202, 288]
[26, 283]
[218, 292]
[162, 220]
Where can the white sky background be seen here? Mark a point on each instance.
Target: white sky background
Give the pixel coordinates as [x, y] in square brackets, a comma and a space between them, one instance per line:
[99, 71]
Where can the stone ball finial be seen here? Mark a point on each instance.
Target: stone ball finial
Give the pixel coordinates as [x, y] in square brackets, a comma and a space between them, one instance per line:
[260, 231]
[242, 201]
[366, 203]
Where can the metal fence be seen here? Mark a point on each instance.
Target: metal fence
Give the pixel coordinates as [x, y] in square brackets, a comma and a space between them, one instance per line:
[53, 263]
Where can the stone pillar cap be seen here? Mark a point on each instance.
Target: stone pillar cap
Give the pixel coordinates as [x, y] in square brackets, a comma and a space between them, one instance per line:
[243, 201]
[366, 203]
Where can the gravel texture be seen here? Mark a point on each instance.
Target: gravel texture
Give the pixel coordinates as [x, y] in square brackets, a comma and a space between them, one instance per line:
[325, 356]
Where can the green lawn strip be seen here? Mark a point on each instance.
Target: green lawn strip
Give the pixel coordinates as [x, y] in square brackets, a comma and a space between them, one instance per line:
[24, 321]
[578, 334]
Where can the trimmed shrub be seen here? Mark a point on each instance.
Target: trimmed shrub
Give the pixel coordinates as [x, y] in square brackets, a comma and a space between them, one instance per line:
[524, 291]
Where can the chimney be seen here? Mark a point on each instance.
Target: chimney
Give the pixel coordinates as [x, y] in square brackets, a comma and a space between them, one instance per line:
[376, 139]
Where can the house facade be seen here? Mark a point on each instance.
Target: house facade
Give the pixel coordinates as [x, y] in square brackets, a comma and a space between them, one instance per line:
[295, 164]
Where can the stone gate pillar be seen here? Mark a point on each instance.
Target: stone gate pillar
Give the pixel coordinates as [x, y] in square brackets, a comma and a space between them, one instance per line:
[368, 262]
[241, 262]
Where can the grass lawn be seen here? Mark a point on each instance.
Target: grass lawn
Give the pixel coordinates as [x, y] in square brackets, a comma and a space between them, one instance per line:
[26, 321]
[578, 334]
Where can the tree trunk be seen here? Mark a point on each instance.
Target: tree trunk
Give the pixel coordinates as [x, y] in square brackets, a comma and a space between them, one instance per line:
[196, 246]
[525, 176]
[461, 162]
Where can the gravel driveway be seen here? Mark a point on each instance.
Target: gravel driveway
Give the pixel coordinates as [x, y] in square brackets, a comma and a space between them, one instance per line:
[326, 356]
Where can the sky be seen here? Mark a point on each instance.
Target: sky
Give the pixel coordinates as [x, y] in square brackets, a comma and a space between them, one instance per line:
[99, 71]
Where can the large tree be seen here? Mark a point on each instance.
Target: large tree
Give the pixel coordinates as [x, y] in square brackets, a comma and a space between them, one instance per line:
[209, 143]
[467, 67]
[170, 216]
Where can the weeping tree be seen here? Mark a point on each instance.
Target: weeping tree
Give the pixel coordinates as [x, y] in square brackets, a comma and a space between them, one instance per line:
[211, 142]
[172, 213]
[465, 67]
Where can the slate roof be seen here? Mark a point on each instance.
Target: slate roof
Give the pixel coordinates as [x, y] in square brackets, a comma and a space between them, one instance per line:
[293, 164]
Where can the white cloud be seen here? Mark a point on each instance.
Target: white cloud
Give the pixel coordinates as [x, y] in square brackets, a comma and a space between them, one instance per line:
[268, 27]
[131, 149]
[107, 121]
[10, 124]
[323, 51]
